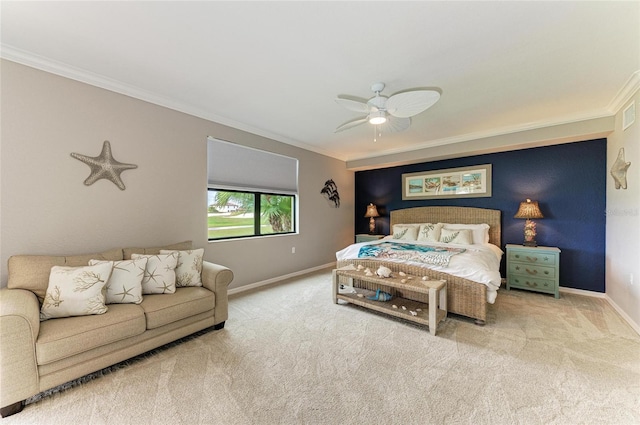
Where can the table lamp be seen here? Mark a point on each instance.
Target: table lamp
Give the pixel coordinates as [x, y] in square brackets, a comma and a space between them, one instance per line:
[528, 210]
[372, 212]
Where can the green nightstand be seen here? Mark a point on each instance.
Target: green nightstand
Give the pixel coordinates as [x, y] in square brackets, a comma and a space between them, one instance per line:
[534, 268]
[368, 238]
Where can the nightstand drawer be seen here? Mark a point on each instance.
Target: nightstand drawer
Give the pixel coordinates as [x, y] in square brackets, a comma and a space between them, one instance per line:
[531, 270]
[541, 285]
[541, 258]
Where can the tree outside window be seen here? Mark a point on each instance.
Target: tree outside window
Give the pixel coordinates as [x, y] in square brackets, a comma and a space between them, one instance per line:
[235, 214]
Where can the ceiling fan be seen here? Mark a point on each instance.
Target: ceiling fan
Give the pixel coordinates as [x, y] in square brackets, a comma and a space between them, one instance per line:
[388, 114]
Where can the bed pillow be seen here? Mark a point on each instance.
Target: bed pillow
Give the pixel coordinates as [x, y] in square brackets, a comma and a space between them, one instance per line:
[76, 291]
[160, 273]
[459, 236]
[189, 268]
[405, 232]
[125, 284]
[480, 232]
[429, 232]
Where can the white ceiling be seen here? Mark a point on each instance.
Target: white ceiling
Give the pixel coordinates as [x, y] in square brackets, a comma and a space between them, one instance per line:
[274, 68]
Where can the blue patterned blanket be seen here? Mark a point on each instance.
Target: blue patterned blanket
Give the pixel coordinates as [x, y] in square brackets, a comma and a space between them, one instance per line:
[436, 255]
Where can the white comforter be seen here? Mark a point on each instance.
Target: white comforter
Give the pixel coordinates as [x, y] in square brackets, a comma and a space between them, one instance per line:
[479, 263]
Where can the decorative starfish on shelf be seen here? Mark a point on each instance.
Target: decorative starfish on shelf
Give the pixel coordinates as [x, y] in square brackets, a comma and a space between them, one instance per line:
[619, 170]
[104, 166]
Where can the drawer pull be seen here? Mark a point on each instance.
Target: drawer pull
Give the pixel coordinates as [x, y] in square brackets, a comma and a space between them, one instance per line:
[534, 272]
[533, 285]
[532, 259]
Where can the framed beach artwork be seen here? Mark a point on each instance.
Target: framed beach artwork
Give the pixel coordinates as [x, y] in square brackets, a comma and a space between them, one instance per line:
[463, 182]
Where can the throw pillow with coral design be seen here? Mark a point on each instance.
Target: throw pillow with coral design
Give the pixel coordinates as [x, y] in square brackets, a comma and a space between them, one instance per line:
[189, 268]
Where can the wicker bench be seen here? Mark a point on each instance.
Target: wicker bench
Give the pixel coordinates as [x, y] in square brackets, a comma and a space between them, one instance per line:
[400, 287]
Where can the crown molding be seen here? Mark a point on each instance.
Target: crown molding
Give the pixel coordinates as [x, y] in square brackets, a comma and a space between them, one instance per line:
[42, 63]
[625, 93]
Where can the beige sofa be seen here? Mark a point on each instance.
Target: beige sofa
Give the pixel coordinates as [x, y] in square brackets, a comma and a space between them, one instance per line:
[36, 356]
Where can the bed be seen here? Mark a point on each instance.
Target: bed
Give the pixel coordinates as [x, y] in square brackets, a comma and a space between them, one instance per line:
[467, 293]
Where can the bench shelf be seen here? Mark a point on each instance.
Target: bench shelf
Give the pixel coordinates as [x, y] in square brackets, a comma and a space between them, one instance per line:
[429, 314]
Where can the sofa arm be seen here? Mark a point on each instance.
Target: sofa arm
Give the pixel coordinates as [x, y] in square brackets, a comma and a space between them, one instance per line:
[217, 278]
[19, 327]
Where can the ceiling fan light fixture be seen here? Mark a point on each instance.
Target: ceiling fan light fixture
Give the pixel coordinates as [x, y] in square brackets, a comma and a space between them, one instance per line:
[377, 117]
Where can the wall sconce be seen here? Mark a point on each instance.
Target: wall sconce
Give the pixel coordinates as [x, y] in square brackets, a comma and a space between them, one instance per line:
[528, 210]
[372, 212]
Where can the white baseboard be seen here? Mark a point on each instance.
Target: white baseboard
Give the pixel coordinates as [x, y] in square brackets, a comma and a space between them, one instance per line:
[583, 292]
[624, 315]
[615, 306]
[251, 286]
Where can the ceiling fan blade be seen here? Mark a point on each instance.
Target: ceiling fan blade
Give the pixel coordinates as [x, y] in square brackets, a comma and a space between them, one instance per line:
[410, 103]
[353, 104]
[350, 124]
[395, 125]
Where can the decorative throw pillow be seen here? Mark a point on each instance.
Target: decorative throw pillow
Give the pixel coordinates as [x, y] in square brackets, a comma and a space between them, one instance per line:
[460, 236]
[160, 273]
[405, 232]
[76, 291]
[480, 232]
[125, 284]
[189, 266]
[429, 232]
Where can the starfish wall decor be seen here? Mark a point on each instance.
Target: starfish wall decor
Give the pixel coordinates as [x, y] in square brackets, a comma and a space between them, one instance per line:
[104, 166]
[619, 170]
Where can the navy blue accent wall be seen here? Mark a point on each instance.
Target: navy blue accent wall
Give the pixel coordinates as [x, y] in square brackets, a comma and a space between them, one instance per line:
[568, 181]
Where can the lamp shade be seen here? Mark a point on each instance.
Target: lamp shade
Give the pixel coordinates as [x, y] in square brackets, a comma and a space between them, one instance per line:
[529, 209]
[372, 211]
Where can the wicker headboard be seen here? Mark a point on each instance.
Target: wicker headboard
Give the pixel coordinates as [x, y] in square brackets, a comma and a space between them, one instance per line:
[463, 215]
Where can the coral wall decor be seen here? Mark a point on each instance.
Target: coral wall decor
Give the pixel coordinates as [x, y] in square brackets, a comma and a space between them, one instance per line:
[619, 170]
[104, 166]
[330, 191]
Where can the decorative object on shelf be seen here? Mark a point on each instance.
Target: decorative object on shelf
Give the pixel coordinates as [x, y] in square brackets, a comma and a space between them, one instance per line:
[104, 166]
[462, 182]
[528, 210]
[330, 190]
[383, 271]
[372, 212]
[619, 170]
[380, 296]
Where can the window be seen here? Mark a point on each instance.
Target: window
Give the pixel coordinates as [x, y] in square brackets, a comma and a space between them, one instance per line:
[250, 192]
[234, 214]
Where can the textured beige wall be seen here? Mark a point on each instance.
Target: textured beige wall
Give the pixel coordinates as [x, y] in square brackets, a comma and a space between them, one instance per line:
[623, 219]
[46, 209]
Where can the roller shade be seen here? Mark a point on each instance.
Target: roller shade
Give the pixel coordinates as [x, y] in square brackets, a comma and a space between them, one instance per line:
[236, 167]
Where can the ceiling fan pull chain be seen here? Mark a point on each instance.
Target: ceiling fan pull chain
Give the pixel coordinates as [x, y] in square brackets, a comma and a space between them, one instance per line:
[376, 133]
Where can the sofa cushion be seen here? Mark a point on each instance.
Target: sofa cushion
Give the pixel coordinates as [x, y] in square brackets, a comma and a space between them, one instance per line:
[156, 250]
[31, 272]
[161, 309]
[62, 338]
[76, 291]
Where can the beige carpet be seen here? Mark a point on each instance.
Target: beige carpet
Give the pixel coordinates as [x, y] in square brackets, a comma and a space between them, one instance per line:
[288, 355]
